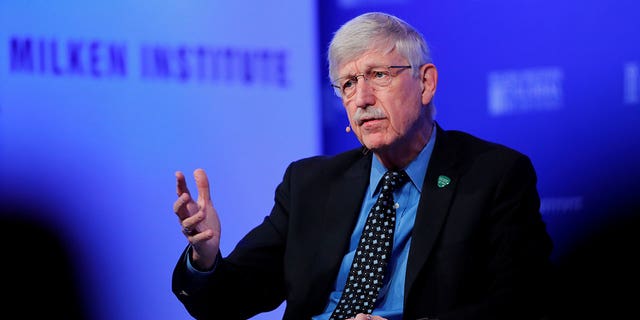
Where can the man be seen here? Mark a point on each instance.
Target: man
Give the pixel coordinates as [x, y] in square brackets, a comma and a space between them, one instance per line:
[468, 241]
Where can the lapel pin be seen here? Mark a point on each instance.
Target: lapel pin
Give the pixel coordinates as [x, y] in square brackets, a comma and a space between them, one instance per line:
[443, 181]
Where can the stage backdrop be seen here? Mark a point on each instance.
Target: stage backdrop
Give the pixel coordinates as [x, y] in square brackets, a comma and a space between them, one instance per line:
[101, 102]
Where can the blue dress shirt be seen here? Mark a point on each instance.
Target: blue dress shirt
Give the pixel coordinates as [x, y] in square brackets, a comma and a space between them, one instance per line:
[391, 297]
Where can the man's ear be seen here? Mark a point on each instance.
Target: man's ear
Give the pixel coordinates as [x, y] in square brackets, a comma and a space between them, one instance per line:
[429, 82]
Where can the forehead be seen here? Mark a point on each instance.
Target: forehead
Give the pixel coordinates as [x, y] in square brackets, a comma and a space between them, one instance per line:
[368, 60]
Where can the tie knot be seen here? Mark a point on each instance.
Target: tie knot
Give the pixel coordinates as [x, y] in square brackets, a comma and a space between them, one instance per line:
[393, 180]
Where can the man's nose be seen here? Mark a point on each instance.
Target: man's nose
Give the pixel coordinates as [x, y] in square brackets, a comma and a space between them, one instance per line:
[363, 96]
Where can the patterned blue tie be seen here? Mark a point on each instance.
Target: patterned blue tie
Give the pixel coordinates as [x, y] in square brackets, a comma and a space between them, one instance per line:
[374, 250]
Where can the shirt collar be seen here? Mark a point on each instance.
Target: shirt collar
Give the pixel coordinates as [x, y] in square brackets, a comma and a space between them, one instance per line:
[416, 169]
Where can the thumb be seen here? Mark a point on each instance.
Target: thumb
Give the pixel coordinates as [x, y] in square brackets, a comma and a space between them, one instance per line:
[202, 182]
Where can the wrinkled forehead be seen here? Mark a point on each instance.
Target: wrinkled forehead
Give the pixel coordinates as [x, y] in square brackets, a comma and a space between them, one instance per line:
[351, 52]
[368, 60]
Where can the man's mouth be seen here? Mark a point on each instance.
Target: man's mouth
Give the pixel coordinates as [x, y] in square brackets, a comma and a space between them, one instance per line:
[364, 120]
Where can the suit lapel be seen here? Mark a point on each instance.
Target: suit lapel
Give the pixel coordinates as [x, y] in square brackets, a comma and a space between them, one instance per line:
[433, 207]
[342, 208]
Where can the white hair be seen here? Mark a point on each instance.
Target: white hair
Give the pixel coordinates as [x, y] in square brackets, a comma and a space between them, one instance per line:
[376, 31]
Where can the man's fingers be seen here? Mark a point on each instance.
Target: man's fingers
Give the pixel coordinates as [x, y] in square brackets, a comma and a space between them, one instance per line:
[364, 316]
[181, 184]
[200, 236]
[180, 207]
[202, 182]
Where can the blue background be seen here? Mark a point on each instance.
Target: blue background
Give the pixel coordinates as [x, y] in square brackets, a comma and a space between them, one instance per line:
[90, 160]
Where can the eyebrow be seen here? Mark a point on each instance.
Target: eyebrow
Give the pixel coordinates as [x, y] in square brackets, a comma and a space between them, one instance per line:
[367, 69]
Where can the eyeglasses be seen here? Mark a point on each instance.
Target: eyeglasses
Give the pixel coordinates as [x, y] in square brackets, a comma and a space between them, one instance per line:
[378, 77]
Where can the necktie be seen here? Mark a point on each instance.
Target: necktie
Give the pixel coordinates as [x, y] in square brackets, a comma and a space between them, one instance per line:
[374, 250]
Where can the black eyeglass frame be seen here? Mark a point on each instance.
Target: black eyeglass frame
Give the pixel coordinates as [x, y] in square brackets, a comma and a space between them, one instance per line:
[338, 89]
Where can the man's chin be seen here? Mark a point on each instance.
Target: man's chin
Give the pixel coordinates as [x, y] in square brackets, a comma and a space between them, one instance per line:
[374, 142]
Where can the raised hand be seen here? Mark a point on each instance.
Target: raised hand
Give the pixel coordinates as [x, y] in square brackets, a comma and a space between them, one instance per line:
[199, 219]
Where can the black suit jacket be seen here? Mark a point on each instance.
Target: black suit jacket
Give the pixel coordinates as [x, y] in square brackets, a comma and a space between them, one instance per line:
[479, 247]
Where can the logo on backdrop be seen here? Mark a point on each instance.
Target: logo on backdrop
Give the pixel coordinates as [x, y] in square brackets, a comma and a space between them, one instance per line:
[631, 90]
[561, 205]
[183, 64]
[522, 91]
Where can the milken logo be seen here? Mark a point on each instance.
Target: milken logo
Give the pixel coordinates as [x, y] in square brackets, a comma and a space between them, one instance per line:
[74, 57]
[183, 64]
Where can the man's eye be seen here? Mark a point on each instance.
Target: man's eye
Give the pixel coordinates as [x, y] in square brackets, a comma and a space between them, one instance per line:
[379, 74]
[348, 84]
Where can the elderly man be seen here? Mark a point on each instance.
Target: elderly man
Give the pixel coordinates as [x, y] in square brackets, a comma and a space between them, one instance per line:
[419, 223]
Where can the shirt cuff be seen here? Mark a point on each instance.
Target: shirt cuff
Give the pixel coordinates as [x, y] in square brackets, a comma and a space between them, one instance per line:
[195, 271]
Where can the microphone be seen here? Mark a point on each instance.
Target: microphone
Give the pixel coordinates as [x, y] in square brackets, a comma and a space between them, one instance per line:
[347, 129]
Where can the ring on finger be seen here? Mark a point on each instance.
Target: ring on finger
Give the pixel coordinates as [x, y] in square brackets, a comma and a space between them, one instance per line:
[188, 231]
